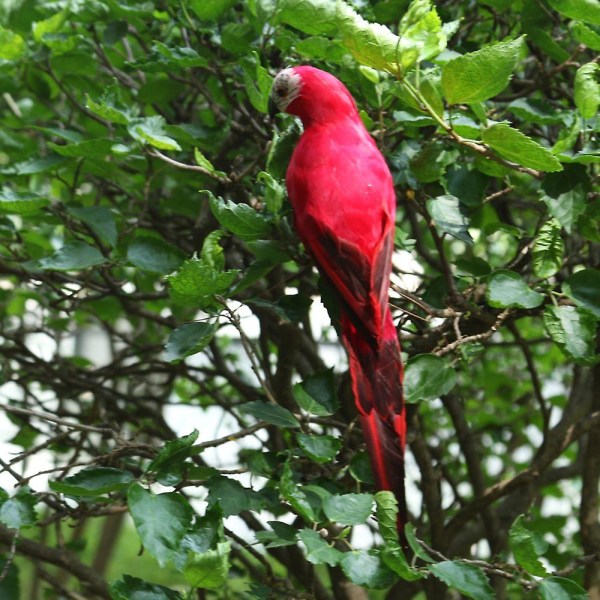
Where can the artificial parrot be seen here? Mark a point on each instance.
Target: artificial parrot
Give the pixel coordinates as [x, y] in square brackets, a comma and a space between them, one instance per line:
[344, 204]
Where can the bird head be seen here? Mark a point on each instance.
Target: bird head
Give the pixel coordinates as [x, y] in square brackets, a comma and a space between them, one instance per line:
[311, 94]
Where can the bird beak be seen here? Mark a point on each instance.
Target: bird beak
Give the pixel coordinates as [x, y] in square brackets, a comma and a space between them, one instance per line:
[273, 110]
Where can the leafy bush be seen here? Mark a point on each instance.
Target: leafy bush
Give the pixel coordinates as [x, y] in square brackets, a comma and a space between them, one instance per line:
[143, 211]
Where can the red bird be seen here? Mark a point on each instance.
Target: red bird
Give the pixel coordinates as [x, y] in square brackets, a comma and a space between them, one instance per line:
[344, 205]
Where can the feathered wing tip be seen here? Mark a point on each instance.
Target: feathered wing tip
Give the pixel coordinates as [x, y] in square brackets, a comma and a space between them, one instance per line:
[376, 373]
[387, 462]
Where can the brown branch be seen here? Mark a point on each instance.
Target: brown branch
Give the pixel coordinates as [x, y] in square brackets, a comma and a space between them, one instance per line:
[430, 483]
[562, 436]
[62, 558]
[589, 514]
[535, 380]
[471, 451]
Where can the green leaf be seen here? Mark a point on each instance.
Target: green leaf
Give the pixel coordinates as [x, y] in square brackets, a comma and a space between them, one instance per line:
[448, 218]
[422, 36]
[589, 222]
[10, 587]
[271, 413]
[212, 252]
[585, 35]
[322, 48]
[242, 220]
[281, 150]
[536, 111]
[387, 515]
[12, 45]
[309, 16]
[132, 588]
[93, 481]
[584, 288]
[413, 542]
[163, 58]
[208, 570]
[427, 377]
[508, 289]
[304, 501]
[258, 83]
[475, 267]
[567, 138]
[52, 24]
[548, 250]
[99, 219]
[151, 130]
[189, 339]
[586, 92]
[60, 43]
[431, 161]
[115, 31]
[21, 203]
[198, 280]
[210, 10]
[318, 551]
[281, 536]
[19, 511]
[582, 10]
[107, 111]
[360, 468]
[231, 496]
[203, 162]
[73, 256]
[372, 44]
[34, 165]
[517, 147]
[482, 74]
[565, 195]
[367, 569]
[274, 192]
[468, 185]
[292, 307]
[394, 558]
[348, 509]
[318, 447]
[269, 251]
[525, 548]
[98, 147]
[174, 452]
[161, 520]
[467, 579]
[317, 394]
[237, 37]
[559, 588]
[153, 254]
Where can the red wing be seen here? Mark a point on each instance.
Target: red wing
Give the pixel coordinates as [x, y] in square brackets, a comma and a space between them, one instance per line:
[362, 284]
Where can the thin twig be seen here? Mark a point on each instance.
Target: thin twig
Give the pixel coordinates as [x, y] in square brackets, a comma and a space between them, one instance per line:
[430, 310]
[250, 352]
[491, 568]
[478, 337]
[180, 165]
[52, 419]
[230, 437]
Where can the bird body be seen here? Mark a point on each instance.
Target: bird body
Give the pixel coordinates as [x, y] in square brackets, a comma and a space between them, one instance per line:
[344, 205]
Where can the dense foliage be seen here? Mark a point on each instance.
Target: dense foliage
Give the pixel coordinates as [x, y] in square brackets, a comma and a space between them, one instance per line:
[148, 262]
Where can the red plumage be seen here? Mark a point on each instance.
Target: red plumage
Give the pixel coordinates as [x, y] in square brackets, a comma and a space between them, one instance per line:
[344, 206]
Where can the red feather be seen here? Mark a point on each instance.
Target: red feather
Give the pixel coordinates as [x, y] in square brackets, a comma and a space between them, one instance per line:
[344, 210]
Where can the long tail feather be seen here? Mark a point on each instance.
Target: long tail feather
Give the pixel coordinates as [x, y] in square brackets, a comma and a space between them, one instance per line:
[376, 373]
